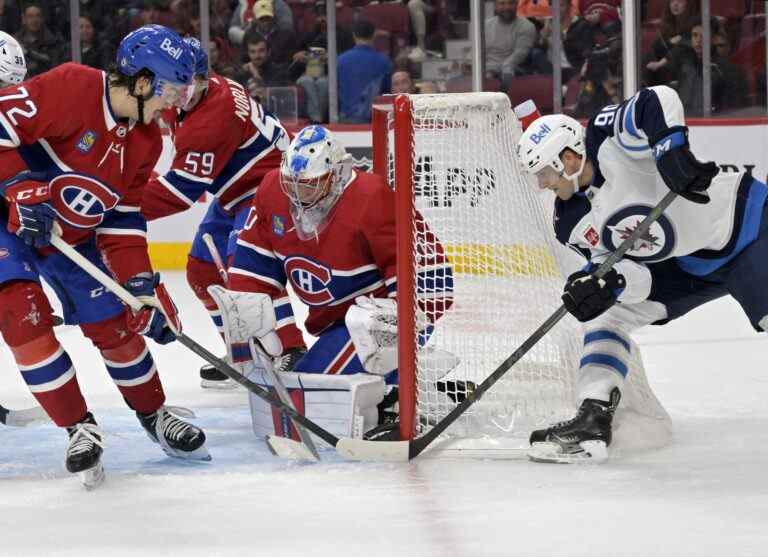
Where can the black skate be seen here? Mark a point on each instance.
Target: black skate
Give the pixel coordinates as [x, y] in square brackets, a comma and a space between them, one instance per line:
[212, 378]
[178, 438]
[584, 438]
[288, 361]
[83, 454]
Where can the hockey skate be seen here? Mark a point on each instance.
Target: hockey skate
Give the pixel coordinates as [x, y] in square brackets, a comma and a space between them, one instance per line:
[83, 454]
[178, 438]
[212, 378]
[584, 438]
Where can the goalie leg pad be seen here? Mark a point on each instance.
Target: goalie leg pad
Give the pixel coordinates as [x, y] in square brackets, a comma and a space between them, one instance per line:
[345, 405]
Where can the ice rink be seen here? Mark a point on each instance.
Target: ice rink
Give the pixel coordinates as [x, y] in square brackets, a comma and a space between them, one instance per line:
[705, 495]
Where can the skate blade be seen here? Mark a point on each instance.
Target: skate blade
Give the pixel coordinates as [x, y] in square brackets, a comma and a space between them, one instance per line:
[201, 453]
[93, 477]
[593, 452]
[227, 385]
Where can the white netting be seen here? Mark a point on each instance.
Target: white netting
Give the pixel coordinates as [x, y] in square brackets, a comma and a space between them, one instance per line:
[508, 274]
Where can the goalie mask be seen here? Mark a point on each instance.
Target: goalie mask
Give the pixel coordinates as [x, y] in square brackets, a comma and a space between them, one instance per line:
[539, 148]
[315, 170]
[13, 67]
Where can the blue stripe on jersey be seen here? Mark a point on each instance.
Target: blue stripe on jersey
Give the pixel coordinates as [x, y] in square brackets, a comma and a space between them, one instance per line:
[239, 159]
[283, 311]
[437, 280]
[47, 373]
[139, 369]
[605, 360]
[599, 336]
[126, 221]
[629, 119]
[38, 160]
[190, 189]
[392, 288]
[5, 136]
[748, 230]
[251, 260]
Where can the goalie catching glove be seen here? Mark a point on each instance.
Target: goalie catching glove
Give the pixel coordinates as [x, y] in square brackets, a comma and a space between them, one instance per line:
[372, 325]
[159, 318]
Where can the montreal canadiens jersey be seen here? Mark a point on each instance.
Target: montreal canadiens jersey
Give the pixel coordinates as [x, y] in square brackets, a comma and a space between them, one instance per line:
[626, 186]
[224, 145]
[354, 255]
[61, 123]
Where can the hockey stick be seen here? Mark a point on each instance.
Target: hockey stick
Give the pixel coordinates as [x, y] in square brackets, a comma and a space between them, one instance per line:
[404, 451]
[22, 418]
[135, 304]
[215, 255]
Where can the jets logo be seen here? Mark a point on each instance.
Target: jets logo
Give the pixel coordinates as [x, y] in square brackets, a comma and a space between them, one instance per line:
[310, 280]
[654, 245]
[81, 201]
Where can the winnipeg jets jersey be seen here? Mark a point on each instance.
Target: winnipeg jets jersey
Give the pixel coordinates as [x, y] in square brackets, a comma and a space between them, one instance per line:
[224, 145]
[61, 123]
[626, 186]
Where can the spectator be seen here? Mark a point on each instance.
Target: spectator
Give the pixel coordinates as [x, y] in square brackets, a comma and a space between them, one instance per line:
[363, 74]
[220, 59]
[318, 36]
[541, 55]
[92, 53]
[677, 20]
[10, 16]
[42, 48]
[600, 86]
[221, 14]
[243, 15]
[261, 65]
[402, 83]
[418, 11]
[315, 85]
[596, 32]
[735, 88]
[508, 41]
[542, 9]
[282, 44]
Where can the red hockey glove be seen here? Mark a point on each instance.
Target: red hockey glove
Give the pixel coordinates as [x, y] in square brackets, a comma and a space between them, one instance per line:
[159, 318]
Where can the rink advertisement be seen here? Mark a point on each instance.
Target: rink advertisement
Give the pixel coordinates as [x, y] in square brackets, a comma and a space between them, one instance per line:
[737, 145]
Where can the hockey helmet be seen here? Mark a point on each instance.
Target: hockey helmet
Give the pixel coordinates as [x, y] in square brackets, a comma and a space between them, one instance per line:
[164, 53]
[13, 67]
[201, 56]
[539, 148]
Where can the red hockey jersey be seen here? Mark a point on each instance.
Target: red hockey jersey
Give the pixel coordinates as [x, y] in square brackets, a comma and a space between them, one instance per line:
[354, 255]
[224, 145]
[62, 122]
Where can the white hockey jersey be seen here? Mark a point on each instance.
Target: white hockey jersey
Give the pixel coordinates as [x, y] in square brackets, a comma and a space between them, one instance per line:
[626, 186]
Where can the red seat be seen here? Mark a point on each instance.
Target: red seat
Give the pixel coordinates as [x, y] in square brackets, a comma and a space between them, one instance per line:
[655, 9]
[538, 88]
[732, 9]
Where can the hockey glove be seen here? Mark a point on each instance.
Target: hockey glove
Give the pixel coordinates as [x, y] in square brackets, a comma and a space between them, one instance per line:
[158, 319]
[680, 170]
[30, 216]
[585, 296]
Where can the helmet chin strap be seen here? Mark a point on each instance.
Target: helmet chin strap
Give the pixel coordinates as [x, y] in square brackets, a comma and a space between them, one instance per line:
[574, 178]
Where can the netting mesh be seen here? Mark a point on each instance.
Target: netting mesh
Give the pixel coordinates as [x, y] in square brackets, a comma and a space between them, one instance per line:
[507, 269]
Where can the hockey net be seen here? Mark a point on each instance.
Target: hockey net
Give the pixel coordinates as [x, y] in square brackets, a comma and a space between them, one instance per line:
[451, 160]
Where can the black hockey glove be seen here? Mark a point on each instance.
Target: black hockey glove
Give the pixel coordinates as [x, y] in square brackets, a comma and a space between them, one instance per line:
[585, 296]
[681, 171]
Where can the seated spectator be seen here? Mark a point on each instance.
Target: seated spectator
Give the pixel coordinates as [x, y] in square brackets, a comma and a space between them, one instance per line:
[220, 59]
[221, 14]
[734, 91]
[243, 15]
[42, 48]
[315, 85]
[363, 74]
[260, 64]
[596, 31]
[318, 36]
[541, 54]
[92, 52]
[600, 86]
[281, 43]
[508, 41]
[677, 20]
[402, 83]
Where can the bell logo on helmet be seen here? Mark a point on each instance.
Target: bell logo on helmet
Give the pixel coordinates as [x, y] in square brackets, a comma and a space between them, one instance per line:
[536, 137]
[174, 51]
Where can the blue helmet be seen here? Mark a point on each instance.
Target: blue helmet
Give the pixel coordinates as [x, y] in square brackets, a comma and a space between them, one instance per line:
[201, 57]
[159, 50]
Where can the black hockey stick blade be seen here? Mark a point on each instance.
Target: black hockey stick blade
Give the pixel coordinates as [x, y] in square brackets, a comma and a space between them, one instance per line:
[401, 451]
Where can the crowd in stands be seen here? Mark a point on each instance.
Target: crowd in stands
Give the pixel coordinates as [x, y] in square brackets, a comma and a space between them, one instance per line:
[278, 49]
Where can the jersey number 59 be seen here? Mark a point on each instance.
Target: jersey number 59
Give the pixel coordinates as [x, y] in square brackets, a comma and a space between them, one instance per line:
[199, 161]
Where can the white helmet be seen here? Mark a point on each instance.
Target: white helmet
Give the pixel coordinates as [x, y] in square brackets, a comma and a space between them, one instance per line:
[13, 68]
[314, 172]
[539, 148]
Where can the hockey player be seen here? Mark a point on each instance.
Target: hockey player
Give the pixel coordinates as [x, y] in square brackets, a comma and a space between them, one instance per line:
[225, 143]
[711, 241]
[329, 230]
[89, 142]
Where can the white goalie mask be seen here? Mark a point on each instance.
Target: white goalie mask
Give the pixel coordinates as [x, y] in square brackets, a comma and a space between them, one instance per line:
[539, 148]
[13, 67]
[315, 170]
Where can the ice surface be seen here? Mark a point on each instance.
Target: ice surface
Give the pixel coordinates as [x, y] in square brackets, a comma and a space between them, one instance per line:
[705, 495]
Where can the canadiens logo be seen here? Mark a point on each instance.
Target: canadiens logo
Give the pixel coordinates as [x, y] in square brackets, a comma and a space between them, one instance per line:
[86, 141]
[654, 245]
[278, 225]
[310, 280]
[81, 201]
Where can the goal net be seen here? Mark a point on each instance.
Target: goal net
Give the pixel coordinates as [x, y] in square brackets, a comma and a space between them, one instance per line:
[451, 159]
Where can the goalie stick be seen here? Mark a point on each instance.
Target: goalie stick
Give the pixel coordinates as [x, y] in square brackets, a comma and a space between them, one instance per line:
[403, 451]
[135, 304]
